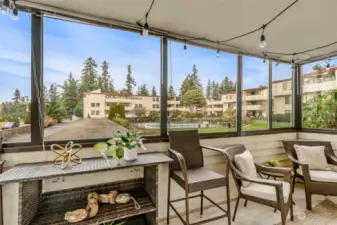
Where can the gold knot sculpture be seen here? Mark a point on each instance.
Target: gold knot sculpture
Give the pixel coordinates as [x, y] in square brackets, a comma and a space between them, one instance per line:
[68, 155]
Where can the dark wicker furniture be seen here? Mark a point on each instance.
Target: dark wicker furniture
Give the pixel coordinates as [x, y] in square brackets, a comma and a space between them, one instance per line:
[311, 186]
[189, 172]
[279, 202]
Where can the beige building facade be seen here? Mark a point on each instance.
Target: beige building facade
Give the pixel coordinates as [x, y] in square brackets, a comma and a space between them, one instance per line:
[254, 100]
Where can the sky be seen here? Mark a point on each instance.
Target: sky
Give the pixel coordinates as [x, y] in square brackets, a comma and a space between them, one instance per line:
[68, 44]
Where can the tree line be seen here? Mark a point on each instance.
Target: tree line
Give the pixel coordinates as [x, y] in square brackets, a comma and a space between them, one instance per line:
[63, 101]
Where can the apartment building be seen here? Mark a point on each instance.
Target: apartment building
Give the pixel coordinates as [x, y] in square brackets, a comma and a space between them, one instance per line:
[254, 100]
[97, 104]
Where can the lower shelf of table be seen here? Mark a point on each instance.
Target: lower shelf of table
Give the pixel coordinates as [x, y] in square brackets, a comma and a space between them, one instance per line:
[54, 214]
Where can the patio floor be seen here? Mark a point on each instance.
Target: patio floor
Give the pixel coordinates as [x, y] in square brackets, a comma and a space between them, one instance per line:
[255, 214]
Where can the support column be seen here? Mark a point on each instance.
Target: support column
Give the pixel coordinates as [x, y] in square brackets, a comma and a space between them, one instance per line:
[239, 95]
[270, 95]
[163, 87]
[37, 79]
[297, 95]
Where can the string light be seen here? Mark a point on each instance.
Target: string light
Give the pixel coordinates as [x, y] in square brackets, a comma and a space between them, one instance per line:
[145, 29]
[185, 48]
[263, 42]
[264, 58]
[15, 14]
[5, 7]
[328, 64]
[218, 53]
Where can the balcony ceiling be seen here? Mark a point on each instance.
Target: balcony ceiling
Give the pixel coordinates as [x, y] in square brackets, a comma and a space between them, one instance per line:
[306, 25]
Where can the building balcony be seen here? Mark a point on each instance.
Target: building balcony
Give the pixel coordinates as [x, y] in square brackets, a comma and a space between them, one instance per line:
[254, 107]
[254, 97]
[282, 92]
[323, 86]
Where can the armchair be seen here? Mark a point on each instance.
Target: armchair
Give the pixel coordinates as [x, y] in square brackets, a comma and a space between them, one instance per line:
[189, 173]
[315, 182]
[276, 194]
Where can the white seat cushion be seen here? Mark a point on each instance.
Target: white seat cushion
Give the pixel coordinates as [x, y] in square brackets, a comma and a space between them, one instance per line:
[265, 191]
[246, 165]
[321, 175]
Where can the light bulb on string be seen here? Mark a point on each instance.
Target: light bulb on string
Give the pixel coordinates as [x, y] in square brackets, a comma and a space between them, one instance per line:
[145, 30]
[185, 48]
[217, 53]
[263, 42]
[15, 14]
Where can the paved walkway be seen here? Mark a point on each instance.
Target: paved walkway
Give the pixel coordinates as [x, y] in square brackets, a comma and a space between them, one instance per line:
[75, 130]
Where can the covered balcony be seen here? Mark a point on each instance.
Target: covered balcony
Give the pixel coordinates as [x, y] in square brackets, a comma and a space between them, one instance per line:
[111, 112]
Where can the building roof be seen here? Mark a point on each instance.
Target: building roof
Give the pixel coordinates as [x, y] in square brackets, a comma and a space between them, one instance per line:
[323, 72]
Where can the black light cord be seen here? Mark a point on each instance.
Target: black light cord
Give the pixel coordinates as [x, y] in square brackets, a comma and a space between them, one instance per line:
[147, 14]
[263, 27]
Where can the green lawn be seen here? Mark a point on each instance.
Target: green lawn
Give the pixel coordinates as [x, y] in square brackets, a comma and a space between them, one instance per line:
[256, 125]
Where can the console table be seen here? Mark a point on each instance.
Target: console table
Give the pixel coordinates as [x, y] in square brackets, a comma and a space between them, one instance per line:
[38, 208]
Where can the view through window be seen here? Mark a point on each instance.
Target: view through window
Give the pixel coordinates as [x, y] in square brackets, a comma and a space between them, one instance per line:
[282, 95]
[319, 96]
[201, 89]
[98, 81]
[254, 94]
[15, 70]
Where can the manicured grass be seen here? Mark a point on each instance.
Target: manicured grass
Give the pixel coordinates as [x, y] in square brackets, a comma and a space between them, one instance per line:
[255, 125]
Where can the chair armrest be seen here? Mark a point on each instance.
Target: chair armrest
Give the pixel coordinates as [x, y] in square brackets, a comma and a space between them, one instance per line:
[181, 161]
[285, 171]
[2, 162]
[238, 175]
[304, 167]
[219, 150]
[331, 159]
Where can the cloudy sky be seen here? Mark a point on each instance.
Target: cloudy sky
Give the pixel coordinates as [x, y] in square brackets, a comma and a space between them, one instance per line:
[67, 45]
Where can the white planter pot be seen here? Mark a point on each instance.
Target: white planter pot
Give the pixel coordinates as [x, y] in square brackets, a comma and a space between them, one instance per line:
[130, 154]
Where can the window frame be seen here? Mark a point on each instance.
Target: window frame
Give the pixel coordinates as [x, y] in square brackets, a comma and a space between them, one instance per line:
[36, 142]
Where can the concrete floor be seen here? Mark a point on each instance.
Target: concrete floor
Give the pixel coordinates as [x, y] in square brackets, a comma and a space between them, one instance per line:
[255, 214]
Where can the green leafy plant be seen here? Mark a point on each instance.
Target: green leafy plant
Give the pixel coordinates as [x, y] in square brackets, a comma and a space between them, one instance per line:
[116, 145]
[113, 223]
[272, 163]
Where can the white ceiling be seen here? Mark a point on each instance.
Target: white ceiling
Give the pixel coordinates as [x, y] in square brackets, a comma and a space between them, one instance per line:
[306, 25]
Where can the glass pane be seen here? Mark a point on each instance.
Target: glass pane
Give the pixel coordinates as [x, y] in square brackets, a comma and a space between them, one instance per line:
[282, 95]
[98, 84]
[15, 73]
[202, 89]
[254, 94]
[319, 97]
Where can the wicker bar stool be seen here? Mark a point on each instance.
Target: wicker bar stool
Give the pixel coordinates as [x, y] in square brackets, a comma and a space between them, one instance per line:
[190, 174]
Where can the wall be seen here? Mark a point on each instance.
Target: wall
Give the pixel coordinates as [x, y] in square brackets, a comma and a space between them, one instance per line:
[8, 133]
[263, 147]
[319, 136]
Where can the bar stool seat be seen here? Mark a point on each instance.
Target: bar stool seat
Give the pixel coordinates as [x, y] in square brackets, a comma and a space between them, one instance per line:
[199, 179]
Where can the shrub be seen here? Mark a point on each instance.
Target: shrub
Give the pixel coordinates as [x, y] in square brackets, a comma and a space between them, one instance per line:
[49, 121]
[176, 113]
[10, 119]
[199, 114]
[121, 121]
[27, 118]
[282, 117]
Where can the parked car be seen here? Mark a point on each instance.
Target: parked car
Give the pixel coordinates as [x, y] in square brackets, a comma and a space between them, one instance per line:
[9, 125]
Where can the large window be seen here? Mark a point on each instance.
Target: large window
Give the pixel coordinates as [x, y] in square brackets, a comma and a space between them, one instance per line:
[15, 85]
[319, 96]
[282, 95]
[254, 94]
[201, 89]
[98, 81]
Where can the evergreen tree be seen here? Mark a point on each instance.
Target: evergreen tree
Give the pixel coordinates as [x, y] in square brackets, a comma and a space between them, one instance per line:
[216, 91]
[130, 81]
[105, 81]
[143, 90]
[191, 81]
[70, 94]
[89, 79]
[209, 90]
[171, 91]
[17, 96]
[54, 106]
[154, 92]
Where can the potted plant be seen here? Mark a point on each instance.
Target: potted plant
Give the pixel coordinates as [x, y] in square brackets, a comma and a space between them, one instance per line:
[120, 146]
[272, 163]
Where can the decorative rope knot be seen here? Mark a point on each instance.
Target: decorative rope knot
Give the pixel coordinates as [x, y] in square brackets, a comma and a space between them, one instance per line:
[68, 155]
